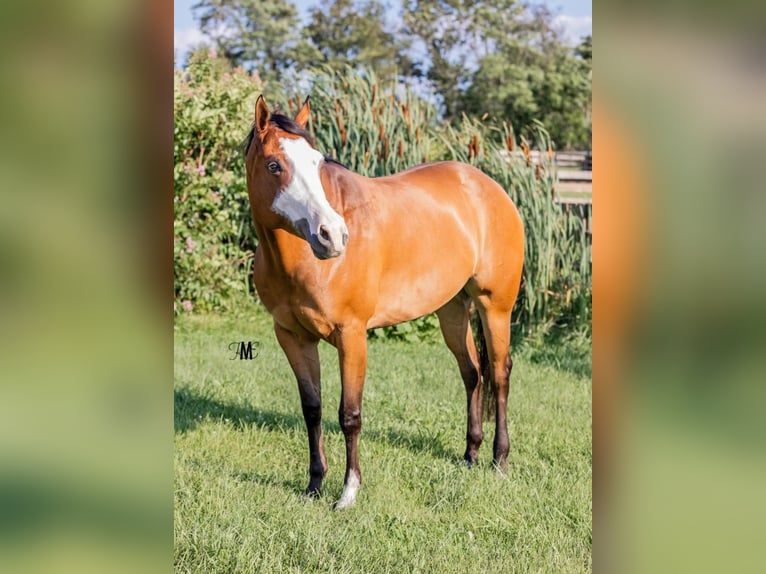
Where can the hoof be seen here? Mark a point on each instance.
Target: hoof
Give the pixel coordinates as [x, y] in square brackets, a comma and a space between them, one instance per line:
[500, 468]
[344, 503]
[309, 495]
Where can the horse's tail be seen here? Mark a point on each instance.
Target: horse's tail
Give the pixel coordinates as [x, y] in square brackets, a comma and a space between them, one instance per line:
[489, 388]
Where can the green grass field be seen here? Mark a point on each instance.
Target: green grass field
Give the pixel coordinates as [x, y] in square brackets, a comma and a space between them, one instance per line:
[241, 460]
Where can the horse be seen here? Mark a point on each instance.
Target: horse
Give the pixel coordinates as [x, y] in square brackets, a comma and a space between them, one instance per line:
[340, 253]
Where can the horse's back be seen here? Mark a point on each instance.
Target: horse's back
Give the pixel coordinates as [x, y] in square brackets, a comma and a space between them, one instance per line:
[500, 257]
[482, 206]
[446, 224]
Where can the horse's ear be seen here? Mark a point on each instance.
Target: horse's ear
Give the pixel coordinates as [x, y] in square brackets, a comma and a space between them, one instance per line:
[304, 114]
[261, 114]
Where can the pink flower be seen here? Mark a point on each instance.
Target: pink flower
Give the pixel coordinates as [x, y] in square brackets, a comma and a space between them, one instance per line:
[187, 305]
[190, 244]
[200, 170]
[216, 196]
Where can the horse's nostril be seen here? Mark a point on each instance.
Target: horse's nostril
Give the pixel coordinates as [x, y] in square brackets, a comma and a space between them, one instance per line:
[345, 239]
[323, 233]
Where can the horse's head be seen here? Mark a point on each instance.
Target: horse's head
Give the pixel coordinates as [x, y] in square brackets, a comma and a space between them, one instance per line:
[284, 184]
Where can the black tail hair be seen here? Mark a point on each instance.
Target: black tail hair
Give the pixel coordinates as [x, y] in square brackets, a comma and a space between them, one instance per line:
[489, 387]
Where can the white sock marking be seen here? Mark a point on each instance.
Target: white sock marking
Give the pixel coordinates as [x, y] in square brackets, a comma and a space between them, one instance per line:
[349, 492]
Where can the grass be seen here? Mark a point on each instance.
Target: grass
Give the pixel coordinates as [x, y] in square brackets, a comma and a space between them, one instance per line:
[241, 461]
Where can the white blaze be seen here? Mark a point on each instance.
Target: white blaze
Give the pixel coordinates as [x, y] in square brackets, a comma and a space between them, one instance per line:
[304, 197]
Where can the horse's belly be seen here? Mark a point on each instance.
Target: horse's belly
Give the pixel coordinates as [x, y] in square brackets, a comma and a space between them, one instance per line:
[420, 287]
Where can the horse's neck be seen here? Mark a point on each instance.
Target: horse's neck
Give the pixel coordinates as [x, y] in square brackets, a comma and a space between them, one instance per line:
[341, 187]
[283, 252]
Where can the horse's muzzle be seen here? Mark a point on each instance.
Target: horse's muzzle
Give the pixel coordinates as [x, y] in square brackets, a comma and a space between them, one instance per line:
[328, 241]
[324, 247]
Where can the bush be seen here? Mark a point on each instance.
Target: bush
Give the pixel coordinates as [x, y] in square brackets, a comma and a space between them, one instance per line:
[373, 131]
[213, 242]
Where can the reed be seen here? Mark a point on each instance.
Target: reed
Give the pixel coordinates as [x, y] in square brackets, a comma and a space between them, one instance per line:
[371, 130]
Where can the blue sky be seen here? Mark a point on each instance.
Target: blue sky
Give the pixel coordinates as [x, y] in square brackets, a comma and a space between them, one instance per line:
[575, 16]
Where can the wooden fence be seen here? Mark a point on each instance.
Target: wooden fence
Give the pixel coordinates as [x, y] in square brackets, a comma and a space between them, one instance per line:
[574, 189]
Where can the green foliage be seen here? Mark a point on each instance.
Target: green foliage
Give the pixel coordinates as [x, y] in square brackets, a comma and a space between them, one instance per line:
[359, 121]
[374, 129]
[353, 33]
[556, 92]
[213, 241]
[501, 57]
[261, 35]
[505, 58]
[241, 463]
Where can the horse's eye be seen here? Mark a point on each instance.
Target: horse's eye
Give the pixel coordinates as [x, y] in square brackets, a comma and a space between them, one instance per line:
[274, 167]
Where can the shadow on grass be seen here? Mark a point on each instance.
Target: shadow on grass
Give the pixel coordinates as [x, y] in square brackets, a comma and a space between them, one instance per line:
[191, 408]
[576, 363]
[565, 351]
[420, 442]
[297, 485]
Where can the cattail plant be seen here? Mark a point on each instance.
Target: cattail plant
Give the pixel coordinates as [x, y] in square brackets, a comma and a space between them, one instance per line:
[375, 131]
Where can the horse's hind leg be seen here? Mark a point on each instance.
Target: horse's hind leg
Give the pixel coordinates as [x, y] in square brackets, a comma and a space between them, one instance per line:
[454, 321]
[303, 356]
[496, 323]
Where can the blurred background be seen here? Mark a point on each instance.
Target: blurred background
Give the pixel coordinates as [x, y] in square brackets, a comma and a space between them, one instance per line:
[679, 365]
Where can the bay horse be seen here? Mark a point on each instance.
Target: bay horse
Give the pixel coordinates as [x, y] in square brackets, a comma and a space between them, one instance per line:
[340, 253]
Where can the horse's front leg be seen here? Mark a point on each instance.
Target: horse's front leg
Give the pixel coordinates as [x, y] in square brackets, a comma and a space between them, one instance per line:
[303, 355]
[352, 351]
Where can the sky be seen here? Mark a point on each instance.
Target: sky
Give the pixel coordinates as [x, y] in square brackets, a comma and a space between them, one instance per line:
[575, 17]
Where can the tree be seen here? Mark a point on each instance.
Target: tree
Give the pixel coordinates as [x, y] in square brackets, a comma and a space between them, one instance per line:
[260, 35]
[457, 34]
[505, 58]
[556, 90]
[585, 49]
[355, 33]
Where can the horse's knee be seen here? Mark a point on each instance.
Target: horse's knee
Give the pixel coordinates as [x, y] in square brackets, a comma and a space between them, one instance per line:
[350, 420]
[502, 374]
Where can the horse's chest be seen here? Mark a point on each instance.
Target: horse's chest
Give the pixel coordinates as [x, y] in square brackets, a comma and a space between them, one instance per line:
[293, 307]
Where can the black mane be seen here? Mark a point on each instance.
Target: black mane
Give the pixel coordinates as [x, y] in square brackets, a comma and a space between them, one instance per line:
[283, 123]
[291, 127]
